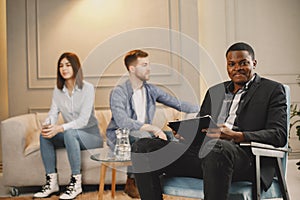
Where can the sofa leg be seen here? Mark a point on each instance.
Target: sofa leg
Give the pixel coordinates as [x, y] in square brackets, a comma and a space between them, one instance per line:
[14, 192]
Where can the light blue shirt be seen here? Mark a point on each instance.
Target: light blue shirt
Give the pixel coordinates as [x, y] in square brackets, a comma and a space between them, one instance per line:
[123, 112]
[77, 110]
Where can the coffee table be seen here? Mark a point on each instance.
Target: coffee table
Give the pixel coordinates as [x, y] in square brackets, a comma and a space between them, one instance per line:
[108, 160]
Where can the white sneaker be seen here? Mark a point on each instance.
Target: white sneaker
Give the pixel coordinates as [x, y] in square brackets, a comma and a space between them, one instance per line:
[51, 187]
[73, 189]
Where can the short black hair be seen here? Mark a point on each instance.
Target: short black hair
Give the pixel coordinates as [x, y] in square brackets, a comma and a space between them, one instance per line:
[241, 46]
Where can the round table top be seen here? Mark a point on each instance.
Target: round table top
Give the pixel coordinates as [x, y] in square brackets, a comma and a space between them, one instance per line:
[107, 157]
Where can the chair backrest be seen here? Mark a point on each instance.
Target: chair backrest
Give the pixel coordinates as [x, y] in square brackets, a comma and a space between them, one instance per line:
[288, 103]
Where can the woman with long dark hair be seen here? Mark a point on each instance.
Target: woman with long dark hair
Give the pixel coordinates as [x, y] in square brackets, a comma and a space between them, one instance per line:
[74, 99]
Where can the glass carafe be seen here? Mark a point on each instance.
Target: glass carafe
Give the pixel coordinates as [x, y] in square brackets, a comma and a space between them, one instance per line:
[122, 149]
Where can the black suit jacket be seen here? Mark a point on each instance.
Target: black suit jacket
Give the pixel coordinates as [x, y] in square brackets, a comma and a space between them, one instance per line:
[261, 116]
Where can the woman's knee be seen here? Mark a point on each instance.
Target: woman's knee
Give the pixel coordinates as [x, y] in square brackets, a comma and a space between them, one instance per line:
[42, 139]
[70, 134]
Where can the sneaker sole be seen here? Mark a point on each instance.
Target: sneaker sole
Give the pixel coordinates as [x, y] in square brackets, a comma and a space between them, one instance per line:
[72, 198]
[53, 193]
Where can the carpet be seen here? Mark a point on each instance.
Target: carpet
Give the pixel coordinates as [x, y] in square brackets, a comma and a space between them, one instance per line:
[120, 195]
[83, 196]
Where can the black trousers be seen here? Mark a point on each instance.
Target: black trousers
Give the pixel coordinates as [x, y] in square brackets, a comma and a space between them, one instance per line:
[217, 162]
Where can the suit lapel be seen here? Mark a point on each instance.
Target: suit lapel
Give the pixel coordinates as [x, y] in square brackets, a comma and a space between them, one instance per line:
[250, 93]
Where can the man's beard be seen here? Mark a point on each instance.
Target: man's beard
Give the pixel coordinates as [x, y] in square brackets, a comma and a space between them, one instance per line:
[241, 83]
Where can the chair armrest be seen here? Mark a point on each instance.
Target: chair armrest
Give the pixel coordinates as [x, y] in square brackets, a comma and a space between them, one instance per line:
[267, 150]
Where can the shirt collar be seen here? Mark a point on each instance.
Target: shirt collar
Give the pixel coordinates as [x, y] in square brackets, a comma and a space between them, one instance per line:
[65, 89]
[129, 86]
[230, 86]
[140, 88]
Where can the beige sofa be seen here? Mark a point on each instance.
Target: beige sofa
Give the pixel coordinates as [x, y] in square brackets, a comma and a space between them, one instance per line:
[22, 163]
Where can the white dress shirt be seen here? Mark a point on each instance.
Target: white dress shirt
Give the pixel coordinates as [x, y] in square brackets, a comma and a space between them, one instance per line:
[77, 110]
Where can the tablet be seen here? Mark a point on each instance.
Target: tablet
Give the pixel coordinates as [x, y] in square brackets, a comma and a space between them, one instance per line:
[193, 125]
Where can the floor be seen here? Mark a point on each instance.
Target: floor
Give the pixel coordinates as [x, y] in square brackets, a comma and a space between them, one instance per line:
[293, 182]
[293, 179]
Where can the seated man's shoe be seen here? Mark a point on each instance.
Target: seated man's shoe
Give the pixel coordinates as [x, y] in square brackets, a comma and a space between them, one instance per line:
[298, 163]
[51, 187]
[73, 189]
[131, 189]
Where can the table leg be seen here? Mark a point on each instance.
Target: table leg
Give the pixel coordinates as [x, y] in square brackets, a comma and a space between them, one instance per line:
[113, 182]
[102, 180]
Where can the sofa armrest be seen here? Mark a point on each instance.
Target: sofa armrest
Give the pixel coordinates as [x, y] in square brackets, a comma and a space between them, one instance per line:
[17, 133]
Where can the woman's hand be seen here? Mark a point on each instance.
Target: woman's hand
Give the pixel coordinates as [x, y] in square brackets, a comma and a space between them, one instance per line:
[51, 130]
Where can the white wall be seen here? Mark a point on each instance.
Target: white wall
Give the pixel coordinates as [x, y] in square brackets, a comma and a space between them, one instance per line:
[272, 27]
[39, 31]
[100, 32]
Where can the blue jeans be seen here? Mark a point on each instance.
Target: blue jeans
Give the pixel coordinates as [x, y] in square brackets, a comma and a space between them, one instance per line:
[74, 140]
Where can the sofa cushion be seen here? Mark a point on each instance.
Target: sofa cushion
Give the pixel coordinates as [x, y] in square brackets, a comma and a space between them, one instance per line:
[32, 139]
[103, 116]
[162, 116]
[32, 142]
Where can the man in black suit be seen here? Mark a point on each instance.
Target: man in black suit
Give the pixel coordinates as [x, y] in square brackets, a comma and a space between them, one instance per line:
[247, 108]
